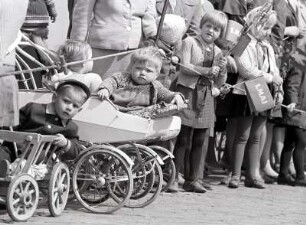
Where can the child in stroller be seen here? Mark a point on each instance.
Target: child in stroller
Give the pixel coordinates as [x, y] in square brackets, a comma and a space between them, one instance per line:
[52, 119]
[139, 86]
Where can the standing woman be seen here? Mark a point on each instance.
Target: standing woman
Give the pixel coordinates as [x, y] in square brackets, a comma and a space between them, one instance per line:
[12, 15]
[113, 26]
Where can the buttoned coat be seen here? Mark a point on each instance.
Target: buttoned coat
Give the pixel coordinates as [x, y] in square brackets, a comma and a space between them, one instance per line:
[113, 24]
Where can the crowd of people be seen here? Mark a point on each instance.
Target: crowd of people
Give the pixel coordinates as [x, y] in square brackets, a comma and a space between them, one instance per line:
[181, 58]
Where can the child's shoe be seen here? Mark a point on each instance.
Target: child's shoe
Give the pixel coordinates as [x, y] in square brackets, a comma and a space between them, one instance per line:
[173, 188]
[285, 180]
[194, 186]
[269, 171]
[198, 187]
[4, 168]
[181, 179]
[234, 182]
[300, 182]
[187, 186]
[206, 185]
[254, 183]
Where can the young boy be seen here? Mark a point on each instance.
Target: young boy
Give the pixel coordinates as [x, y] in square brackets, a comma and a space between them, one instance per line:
[77, 51]
[53, 119]
[139, 87]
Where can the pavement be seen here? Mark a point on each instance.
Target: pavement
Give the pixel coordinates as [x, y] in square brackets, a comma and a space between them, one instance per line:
[275, 205]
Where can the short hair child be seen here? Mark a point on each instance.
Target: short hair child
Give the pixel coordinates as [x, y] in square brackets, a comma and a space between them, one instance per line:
[149, 55]
[53, 118]
[139, 87]
[74, 51]
[204, 70]
[217, 18]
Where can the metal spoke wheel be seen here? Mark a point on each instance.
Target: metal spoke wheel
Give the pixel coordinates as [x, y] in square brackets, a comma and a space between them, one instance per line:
[102, 180]
[147, 175]
[58, 189]
[22, 197]
[169, 169]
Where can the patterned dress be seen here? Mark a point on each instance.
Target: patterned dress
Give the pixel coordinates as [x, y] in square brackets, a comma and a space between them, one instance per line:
[201, 106]
[126, 93]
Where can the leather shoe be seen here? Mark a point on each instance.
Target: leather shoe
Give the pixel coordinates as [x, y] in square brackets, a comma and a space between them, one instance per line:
[234, 182]
[205, 185]
[300, 182]
[194, 186]
[254, 183]
[285, 180]
[197, 187]
[173, 188]
[187, 186]
[269, 180]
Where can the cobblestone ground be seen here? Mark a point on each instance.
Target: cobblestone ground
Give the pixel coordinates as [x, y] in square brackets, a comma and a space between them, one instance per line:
[275, 205]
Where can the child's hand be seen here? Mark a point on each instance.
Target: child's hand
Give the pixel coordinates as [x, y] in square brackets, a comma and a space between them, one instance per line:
[277, 80]
[215, 92]
[53, 18]
[175, 60]
[292, 31]
[103, 94]
[179, 101]
[214, 71]
[222, 63]
[279, 98]
[291, 107]
[60, 141]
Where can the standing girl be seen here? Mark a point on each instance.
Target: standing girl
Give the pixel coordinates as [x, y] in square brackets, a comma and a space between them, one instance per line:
[204, 67]
[258, 59]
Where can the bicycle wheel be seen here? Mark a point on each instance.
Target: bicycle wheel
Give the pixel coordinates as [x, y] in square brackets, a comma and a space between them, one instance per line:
[147, 175]
[102, 180]
[169, 169]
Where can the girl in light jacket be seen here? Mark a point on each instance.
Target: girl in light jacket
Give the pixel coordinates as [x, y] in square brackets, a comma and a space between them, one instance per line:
[258, 59]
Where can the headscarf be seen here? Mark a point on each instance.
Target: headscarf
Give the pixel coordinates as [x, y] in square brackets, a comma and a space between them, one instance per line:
[258, 17]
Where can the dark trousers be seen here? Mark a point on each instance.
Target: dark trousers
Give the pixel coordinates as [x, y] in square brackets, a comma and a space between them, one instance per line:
[294, 145]
[190, 151]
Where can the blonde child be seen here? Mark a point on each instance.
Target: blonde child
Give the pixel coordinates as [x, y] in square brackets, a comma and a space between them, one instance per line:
[170, 41]
[258, 59]
[77, 51]
[54, 118]
[139, 87]
[203, 65]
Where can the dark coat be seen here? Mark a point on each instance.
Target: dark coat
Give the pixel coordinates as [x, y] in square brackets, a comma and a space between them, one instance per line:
[33, 118]
[295, 89]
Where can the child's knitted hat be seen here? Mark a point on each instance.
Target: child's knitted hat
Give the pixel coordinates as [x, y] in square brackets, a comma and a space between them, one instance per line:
[173, 29]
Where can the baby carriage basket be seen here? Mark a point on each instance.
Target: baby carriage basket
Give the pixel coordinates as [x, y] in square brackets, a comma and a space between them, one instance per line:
[102, 122]
[33, 171]
[128, 174]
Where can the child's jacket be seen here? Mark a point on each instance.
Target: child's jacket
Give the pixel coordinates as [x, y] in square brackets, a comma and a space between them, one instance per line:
[34, 118]
[126, 93]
